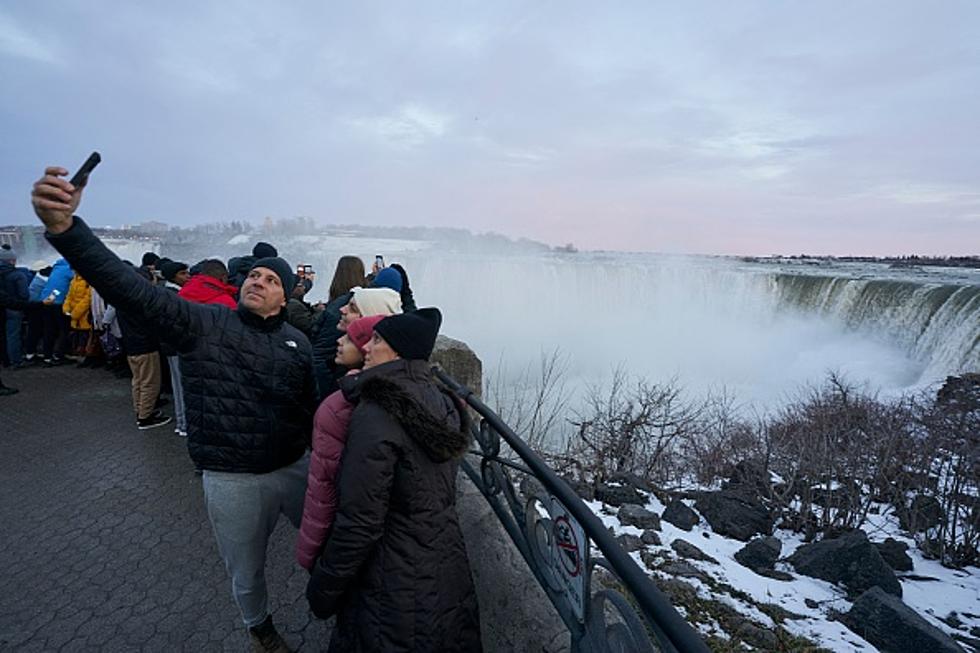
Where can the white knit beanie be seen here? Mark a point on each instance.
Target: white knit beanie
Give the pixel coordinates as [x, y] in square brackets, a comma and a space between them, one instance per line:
[377, 301]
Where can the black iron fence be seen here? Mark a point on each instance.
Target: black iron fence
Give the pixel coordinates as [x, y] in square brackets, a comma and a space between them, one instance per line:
[555, 533]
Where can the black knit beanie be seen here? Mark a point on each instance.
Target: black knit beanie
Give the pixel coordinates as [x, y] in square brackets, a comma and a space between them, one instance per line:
[411, 335]
[282, 270]
[170, 269]
[264, 250]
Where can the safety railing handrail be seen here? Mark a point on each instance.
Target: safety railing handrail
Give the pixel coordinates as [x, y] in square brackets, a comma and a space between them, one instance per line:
[655, 607]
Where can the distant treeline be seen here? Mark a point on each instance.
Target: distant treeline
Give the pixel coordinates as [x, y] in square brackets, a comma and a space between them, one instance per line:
[454, 237]
[910, 261]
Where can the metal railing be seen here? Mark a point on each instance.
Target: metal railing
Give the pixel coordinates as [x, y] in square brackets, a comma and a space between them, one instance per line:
[554, 532]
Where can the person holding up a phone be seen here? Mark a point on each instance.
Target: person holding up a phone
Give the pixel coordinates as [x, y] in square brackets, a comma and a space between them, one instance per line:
[250, 407]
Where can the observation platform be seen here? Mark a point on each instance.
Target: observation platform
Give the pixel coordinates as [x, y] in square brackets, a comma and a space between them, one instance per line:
[105, 542]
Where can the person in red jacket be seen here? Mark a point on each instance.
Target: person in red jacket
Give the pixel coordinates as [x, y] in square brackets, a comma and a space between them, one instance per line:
[329, 437]
[210, 286]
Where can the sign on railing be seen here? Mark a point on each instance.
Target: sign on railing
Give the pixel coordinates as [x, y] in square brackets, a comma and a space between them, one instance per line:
[571, 555]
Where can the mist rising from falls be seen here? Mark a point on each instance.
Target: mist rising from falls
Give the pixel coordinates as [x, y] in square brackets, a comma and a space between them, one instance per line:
[708, 323]
[759, 331]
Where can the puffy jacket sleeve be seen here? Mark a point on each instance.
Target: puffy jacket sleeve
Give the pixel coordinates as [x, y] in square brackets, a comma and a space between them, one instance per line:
[366, 476]
[324, 341]
[78, 302]
[21, 284]
[9, 301]
[300, 316]
[70, 298]
[123, 287]
[320, 506]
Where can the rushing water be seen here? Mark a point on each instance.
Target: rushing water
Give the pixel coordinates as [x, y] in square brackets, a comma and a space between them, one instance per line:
[758, 330]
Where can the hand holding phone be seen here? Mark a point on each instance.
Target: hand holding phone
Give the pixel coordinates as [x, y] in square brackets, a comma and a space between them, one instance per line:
[81, 176]
[54, 204]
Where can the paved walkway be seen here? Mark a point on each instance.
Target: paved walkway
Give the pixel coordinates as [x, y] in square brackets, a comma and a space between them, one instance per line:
[104, 541]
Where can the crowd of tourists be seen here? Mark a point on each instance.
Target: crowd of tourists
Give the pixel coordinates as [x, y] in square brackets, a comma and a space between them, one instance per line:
[326, 413]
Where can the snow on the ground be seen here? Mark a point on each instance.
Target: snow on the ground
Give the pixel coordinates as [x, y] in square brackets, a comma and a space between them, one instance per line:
[953, 591]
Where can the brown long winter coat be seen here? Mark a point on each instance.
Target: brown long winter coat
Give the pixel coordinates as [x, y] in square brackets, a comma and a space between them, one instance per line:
[394, 568]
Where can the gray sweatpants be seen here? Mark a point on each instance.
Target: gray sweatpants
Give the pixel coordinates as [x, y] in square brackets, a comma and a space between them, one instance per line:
[244, 509]
[176, 382]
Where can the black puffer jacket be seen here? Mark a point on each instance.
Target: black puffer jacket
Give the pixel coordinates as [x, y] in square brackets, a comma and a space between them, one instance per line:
[139, 337]
[248, 381]
[324, 341]
[394, 568]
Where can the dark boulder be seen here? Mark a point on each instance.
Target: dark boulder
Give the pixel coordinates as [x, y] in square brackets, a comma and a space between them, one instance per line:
[923, 513]
[760, 553]
[685, 570]
[633, 515]
[735, 514]
[650, 537]
[626, 478]
[850, 560]
[960, 393]
[680, 515]
[629, 542]
[776, 574]
[894, 554]
[750, 475]
[617, 495]
[761, 638]
[687, 550]
[584, 490]
[893, 627]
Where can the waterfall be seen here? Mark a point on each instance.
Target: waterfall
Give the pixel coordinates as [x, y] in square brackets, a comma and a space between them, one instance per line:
[758, 329]
[936, 323]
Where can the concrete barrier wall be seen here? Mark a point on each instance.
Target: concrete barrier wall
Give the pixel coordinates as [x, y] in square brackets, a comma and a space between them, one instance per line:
[515, 613]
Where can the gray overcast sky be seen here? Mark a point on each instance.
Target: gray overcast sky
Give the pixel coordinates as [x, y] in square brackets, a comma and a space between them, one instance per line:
[705, 127]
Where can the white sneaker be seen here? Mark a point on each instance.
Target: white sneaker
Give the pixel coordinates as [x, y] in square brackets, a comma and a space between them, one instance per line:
[182, 434]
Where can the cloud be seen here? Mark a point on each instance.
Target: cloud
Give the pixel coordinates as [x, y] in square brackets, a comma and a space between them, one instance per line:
[924, 193]
[774, 125]
[409, 126]
[15, 41]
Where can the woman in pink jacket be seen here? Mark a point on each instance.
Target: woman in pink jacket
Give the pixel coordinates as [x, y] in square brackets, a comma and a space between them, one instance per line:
[329, 437]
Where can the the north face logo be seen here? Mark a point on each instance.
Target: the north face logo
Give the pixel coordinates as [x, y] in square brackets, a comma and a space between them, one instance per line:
[291, 343]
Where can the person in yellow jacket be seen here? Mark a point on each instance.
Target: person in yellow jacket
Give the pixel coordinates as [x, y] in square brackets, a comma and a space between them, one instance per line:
[78, 306]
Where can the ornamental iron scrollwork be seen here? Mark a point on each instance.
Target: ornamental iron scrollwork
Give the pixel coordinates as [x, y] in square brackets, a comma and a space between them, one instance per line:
[556, 534]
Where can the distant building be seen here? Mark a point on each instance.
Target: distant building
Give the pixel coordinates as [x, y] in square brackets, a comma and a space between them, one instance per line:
[152, 227]
[10, 237]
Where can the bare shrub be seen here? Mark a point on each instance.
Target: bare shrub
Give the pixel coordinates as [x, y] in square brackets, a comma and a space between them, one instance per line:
[952, 428]
[835, 451]
[833, 447]
[632, 427]
[721, 439]
[534, 402]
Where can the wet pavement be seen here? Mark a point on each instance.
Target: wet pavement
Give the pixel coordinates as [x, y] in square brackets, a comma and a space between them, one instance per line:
[104, 540]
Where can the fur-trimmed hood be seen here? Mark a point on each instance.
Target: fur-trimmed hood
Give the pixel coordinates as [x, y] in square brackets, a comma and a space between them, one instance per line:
[430, 414]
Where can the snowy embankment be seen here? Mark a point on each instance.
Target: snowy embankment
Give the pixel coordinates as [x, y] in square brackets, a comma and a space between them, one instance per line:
[803, 607]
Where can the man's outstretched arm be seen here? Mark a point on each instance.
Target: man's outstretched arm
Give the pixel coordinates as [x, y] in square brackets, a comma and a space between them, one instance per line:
[55, 200]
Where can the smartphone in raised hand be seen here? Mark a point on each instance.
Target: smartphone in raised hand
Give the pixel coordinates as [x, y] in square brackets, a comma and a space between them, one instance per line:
[81, 176]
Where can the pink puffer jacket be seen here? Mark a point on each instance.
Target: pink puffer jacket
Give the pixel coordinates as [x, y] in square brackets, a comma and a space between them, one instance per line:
[320, 507]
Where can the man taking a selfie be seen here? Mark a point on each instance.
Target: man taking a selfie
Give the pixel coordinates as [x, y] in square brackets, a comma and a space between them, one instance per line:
[248, 388]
